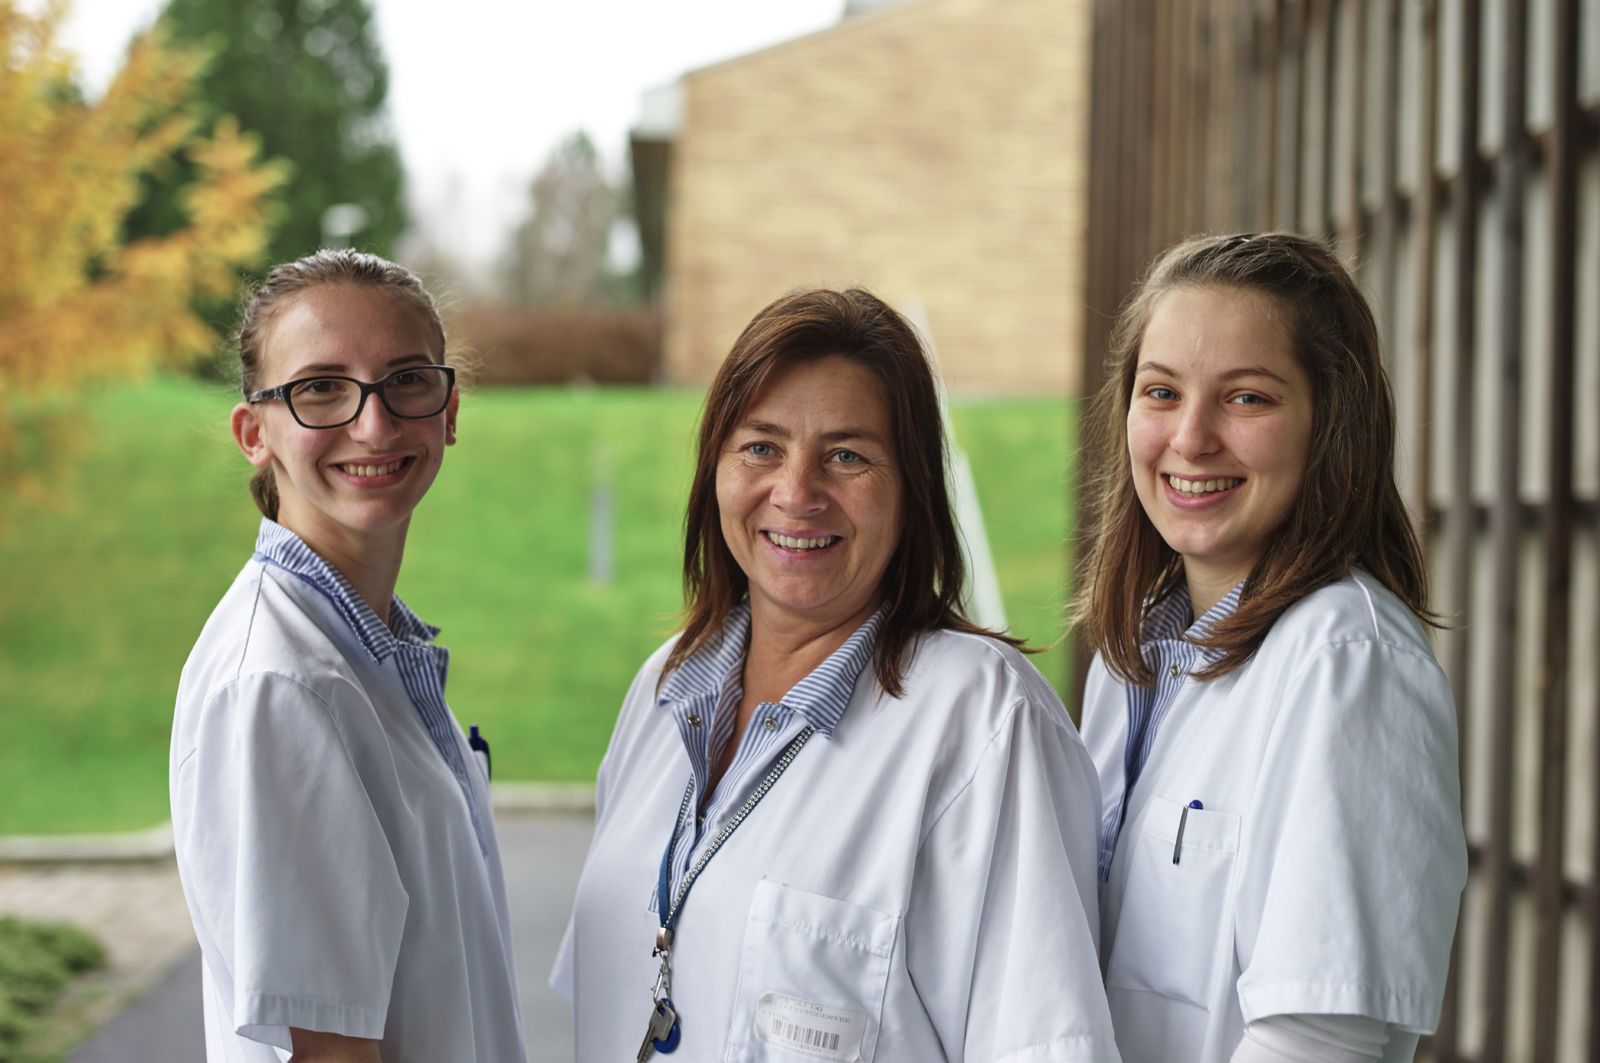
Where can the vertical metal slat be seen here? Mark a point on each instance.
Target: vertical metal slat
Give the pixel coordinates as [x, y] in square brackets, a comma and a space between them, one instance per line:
[1561, 172]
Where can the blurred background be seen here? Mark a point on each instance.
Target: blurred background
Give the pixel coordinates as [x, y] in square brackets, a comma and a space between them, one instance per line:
[602, 197]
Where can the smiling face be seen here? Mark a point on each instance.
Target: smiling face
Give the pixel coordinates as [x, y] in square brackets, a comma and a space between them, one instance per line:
[1219, 425]
[808, 495]
[348, 490]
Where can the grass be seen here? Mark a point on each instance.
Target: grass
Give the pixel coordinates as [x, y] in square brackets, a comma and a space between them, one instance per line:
[107, 584]
[37, 961]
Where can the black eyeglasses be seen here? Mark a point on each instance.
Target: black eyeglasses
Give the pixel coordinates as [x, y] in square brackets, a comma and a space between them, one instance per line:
[412, 393]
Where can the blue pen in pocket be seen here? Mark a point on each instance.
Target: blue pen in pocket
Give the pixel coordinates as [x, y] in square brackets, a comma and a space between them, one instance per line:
[480, 748]
[1183, 821]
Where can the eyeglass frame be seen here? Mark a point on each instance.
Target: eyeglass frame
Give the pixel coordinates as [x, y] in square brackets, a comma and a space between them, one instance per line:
[281, 393]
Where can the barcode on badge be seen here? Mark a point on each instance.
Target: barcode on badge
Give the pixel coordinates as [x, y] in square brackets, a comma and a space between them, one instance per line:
[810, 1028]
[804, 1036]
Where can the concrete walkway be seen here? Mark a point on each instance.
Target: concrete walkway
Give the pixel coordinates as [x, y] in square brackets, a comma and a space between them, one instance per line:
[149, 996]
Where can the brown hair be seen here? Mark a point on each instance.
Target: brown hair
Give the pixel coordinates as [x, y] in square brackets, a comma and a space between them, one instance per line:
[266, 301]
[1349, 511]
[921, 586]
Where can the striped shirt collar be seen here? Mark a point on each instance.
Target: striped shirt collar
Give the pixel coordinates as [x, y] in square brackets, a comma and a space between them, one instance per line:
[282, 548]
[820, 698]
[1167, 620]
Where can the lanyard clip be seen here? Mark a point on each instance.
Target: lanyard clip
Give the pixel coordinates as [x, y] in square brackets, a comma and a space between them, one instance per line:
[663, 988]
[663, 941]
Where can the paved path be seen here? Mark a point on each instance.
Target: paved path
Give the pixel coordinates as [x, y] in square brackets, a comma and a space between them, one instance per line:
[140, 915]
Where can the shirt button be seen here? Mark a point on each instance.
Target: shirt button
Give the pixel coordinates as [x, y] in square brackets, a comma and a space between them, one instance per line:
[694, 719]
[770, 724]
[1173, 671]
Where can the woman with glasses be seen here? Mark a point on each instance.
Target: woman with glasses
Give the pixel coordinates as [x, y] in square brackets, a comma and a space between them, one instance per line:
[332, 823]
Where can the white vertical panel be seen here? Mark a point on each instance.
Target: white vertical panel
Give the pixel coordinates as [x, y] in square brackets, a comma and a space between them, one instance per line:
[1519, 984]
[1491, 68]
[1486, 301]
[1408, 97]
[1541, 58]
[1586, 466]
[1583, 701]
[1589, 52]
[1472, 954]
[1477, 734]
[1447, 362]
[1538, 360]
[1448, 90]
[1527, 726]
[1574, 1000]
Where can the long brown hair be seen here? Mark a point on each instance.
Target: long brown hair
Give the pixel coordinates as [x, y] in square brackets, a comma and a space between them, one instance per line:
[264, 303]
[921, 587]
[1349, 511]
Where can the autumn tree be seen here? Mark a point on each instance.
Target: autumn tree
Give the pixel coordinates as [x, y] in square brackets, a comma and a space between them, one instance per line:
[79, 302]
[309, 78]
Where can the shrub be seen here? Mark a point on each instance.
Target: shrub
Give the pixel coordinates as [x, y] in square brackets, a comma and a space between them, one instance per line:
[36, 961]
[558, 346]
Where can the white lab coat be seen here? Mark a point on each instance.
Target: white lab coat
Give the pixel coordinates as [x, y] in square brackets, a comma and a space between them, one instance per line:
[1324, 874]
[326, 851]
[921, 884]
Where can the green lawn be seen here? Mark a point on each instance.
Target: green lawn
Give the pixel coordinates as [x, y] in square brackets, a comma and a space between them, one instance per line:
[106, 587]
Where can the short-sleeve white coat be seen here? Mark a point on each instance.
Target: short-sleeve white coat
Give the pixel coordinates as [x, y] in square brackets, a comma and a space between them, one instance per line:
[1323, 874]
[925, 878]
[327, 853]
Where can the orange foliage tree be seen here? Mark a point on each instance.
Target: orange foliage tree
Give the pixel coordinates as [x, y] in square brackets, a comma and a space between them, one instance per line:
[79, 302]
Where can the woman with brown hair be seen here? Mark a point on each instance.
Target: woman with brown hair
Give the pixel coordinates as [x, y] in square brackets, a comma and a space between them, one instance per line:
[837, 820]
[1281, 854]
[332, 824]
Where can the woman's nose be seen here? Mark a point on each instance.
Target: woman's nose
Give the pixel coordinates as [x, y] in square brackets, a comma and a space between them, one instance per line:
[1196, 434]
[797, 489]
[374, 424]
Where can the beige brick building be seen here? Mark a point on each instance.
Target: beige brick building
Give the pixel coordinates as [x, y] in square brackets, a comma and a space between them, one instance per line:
[933, 151]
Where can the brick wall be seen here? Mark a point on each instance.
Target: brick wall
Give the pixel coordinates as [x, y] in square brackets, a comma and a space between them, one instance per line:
[933, 152]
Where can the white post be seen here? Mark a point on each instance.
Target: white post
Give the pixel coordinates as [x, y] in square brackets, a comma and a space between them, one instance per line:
[600, 519]
[980, 598]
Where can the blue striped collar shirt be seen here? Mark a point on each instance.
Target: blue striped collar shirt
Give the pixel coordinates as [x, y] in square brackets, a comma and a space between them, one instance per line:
[406, 639]
[1167, 646]
[702, 695]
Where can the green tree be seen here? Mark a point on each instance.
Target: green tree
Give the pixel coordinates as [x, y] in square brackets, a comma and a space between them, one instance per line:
[309, 79]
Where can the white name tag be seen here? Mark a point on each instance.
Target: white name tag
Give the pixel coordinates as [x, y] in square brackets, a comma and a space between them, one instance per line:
[809, 1028]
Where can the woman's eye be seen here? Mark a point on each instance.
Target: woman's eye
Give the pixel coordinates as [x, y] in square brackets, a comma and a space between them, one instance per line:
[1162, 394]
[1249, 399]
[760, 450]
[848, 457]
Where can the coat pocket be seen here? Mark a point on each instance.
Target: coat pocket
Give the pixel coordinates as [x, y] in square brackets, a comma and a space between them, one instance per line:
[1174, 918]
[812, 975]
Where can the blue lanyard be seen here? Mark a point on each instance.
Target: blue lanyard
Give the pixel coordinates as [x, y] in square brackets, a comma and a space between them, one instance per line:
[663, 1033]
[669, 912]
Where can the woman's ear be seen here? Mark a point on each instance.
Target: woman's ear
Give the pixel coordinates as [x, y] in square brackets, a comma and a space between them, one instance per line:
[450, 411]
[247, 433]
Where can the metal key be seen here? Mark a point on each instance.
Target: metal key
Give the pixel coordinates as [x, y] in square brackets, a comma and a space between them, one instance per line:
[661, 1031]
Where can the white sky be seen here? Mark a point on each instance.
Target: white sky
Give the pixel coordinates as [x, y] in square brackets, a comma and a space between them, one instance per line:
[481, 89]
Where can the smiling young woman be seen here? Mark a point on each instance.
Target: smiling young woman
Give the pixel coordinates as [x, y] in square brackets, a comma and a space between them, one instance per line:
[1281, 849]
[333, 826]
